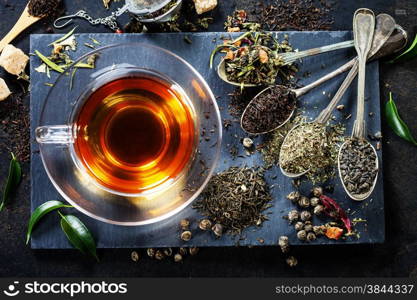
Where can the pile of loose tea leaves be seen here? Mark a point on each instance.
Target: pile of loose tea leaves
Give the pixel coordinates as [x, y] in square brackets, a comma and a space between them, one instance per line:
[14, 127]
[236, 199]
[358, 166]
[297, 15]
[312, 147]
[161, 11]
[42, 8]
[238, 21]
[273, 141]
[240, 98]
[269, 110]
[253, 58]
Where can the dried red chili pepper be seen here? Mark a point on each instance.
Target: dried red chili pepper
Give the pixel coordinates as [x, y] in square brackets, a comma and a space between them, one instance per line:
[332, 209]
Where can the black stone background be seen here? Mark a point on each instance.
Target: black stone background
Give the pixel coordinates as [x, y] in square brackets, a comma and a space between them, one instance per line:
[397, 257]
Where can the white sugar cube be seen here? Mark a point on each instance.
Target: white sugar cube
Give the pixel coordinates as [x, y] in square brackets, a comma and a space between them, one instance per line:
[202, 6]
[4, 90]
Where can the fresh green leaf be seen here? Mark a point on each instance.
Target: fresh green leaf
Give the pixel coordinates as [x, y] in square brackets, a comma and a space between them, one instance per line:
[67, 35]
[410, 53]
[396, 123]
[48, 62]
[40, 211]
[78, 234]
[13, 180]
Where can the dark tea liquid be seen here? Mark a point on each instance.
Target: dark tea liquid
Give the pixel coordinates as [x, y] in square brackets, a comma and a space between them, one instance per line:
[135, 133]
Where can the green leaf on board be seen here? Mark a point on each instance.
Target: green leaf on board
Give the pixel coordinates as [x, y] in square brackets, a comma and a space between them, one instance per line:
[13, 180]
[396, 123]
[40, 211]
[410, 53]
[48, 62]
[78, 234]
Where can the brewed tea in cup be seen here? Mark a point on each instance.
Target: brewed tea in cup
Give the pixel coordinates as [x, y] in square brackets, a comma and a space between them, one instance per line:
[134, 133]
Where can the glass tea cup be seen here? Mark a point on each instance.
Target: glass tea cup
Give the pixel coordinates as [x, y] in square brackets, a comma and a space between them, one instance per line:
[57, 135]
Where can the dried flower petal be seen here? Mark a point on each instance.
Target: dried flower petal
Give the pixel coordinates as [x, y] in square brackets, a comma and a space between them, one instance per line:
[334, 232]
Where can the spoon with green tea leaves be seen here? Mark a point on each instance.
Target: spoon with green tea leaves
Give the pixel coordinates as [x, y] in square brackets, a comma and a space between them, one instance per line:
[257, 58]
[305, 148]
[358, 161]
[274, 106]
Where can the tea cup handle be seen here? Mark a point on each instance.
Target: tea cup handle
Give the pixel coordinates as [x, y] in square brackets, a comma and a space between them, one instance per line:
[57, 134]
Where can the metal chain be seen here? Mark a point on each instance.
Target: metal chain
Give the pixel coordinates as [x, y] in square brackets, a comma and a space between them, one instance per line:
[109, 21]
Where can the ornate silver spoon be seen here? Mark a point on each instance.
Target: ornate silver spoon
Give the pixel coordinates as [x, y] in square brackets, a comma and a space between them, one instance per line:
[363, 31]
[384, 24]
[382, 34]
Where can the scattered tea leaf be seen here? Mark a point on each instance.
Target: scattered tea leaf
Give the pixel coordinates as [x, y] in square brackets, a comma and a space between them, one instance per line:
[89, 46]
[78, 234]
[84, 65]
[410, 53]
[236, 199]
[40, 211]
[41, 68]
[188, 40]
[72, 78]
[67, 35]
[396, 123]
[13, 180]
[95, 41]
[49, 63]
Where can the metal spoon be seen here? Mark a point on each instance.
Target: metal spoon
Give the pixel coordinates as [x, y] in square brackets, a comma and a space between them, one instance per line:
[287, 58]
[382, 34]
[363, 32]
[384, 23]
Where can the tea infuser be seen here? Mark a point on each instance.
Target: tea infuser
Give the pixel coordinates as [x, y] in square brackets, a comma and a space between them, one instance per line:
[394, 43]
[139, 8]
[382, 34]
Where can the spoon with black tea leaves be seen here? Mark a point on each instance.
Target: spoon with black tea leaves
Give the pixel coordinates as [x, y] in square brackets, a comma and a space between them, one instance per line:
[382, 34]
[384, 46]
[357, 159]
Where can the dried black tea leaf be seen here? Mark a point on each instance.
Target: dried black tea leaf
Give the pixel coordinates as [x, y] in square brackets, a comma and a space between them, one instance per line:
[236, 199]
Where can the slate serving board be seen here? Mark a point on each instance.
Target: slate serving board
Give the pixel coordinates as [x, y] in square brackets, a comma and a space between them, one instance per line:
[48, 234]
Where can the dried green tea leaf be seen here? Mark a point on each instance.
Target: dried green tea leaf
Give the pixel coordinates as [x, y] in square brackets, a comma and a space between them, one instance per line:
[236, 199]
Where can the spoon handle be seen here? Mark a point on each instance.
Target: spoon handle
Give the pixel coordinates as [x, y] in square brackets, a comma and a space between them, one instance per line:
[301, 91]
[24, 22]
[326, 113]
[291, 57]
[363, 31]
